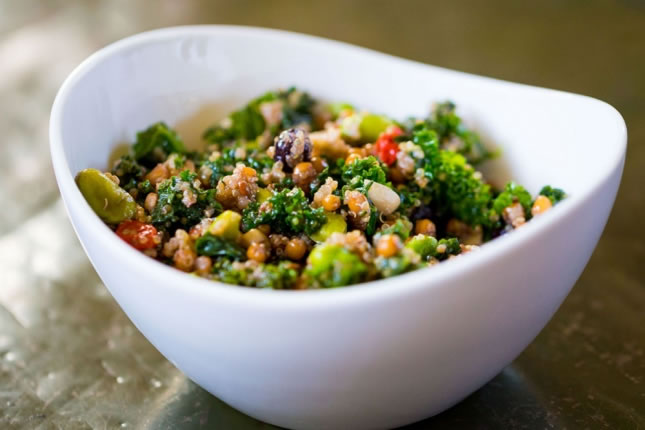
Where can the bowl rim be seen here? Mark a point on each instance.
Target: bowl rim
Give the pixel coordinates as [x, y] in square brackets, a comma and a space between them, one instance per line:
[408, 283]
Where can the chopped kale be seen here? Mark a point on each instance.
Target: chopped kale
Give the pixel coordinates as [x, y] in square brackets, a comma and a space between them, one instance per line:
[156, 143]
[171, 210]
[287, 212]
[512, 193]
[554, 194]
[129, 172]
[214, 246]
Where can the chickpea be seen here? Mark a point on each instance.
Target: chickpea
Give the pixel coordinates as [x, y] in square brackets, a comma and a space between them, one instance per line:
[151, 201]
[203, 264]
[319, 163]
[158, 174]
[303, 174]
[356, 201]
[331, 203]
[265, 228]
[184, 259]
[425, 226]
[541, 205]
[296, 249]
[254, 236]
[351, 158]
[258, 251]
[388, 245]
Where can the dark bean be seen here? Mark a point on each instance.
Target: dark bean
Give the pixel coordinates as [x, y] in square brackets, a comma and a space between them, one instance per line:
[292, 146]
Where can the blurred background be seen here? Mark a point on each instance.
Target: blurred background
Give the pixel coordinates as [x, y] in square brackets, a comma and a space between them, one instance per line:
[69, 358]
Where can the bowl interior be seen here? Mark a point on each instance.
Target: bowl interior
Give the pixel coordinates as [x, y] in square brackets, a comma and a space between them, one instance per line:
[191, 77]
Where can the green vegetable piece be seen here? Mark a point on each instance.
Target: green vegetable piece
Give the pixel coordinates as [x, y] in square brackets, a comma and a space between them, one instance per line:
[359, 174]
[333, 266]
[554, 194]
[155, 143]
[372, 126]
[401, 227]
[109, 201]
[425, 246]
[290, 213]
[214, 246]
[263, 195]
[452, 248]
[336, 108]
[512, 193]
[350, 127]
[226, 225]
[335, 224]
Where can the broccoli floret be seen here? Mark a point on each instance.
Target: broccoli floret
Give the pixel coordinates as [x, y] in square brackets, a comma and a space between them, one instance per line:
[156, 143]
[289, 213]
[554, 194]
[512, 193]
[171, 209]
[214, 246]
[333, 266]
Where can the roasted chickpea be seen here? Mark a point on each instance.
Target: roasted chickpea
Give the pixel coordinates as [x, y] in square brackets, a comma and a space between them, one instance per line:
[425, 226]
[296, 249]
[388, 245]
[258, 251]
[331, 203]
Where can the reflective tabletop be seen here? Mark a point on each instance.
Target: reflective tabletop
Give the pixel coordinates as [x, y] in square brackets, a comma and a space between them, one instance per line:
[70, 358]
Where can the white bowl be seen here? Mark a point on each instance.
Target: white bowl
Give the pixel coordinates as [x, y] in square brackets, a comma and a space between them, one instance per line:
[377, 355]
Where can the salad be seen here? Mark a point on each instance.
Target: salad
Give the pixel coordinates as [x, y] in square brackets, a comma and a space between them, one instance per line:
[293, 193]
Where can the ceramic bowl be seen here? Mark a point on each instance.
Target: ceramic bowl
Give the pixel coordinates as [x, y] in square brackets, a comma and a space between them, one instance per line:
[376, 355]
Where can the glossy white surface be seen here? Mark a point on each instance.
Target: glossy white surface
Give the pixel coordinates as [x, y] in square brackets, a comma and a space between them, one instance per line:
[376, 355]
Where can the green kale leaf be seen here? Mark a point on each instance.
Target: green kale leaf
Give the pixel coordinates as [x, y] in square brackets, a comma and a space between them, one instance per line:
[287, 211]
[155, 143]
[554, 194]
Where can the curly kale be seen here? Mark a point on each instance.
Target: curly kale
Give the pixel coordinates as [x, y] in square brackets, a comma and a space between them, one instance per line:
[362, 172]
[458, 189]
[248, 123]
[129, 172]
[448, 124]
[171, 211]
[512, 193]
[452, 247]
[554, 194]
[156, 143]
[288, 212]
[396, 265]
[225, 163]
[282, 275]
[214, 246]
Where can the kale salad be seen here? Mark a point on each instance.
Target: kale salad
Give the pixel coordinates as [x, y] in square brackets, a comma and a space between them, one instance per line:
[293, 193]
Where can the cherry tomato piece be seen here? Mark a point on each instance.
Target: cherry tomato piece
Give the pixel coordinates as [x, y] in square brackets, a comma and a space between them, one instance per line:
[138, 234]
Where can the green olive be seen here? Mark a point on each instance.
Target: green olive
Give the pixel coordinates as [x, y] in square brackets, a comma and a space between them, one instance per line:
[109, 201]
[335, 224]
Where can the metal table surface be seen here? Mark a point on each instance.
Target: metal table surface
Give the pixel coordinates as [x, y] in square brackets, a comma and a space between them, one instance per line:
[69, 357]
